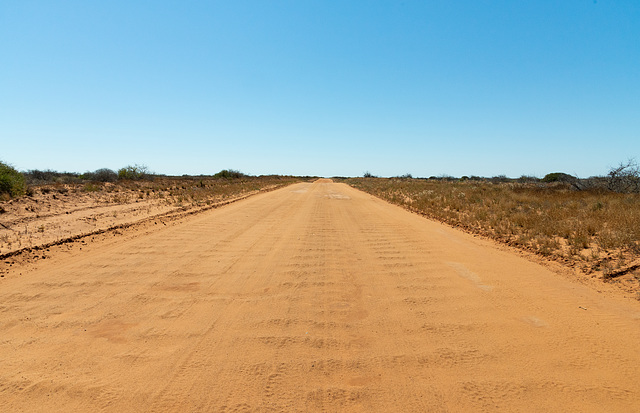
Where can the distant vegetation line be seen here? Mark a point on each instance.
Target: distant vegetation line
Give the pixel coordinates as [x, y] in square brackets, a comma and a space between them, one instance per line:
[623, 178]
[14, 183]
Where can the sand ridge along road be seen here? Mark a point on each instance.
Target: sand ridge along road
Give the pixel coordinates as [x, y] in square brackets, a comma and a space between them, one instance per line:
[314, 297]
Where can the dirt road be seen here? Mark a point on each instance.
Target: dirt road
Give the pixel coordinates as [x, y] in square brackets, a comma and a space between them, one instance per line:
[314, 297]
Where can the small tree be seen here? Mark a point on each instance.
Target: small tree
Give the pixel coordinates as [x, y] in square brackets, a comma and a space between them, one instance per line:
[229, 174]
[624, 177]
[132, 172]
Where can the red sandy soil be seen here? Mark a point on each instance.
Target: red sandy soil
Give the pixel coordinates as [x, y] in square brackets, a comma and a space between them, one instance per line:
[313, 297]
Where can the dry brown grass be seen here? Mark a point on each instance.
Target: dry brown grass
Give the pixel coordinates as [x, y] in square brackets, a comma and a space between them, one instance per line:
[596, 231]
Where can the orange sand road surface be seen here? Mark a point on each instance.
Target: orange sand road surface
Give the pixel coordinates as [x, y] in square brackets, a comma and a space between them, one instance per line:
[314, 297]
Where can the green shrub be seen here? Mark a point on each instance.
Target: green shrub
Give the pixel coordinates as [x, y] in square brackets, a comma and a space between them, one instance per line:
[229, 174]
[133, 172]
[101, 175]
[11, 181]
[559, 177]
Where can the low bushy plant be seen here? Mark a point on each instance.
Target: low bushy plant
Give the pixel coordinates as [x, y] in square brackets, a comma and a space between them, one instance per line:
[559, 177]
[11, 181]
[37, 177]
[133, 172]
[101, 175]
[229, 174]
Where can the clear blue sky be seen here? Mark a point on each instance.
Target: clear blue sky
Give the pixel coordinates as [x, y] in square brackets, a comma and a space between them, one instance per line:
[466, 87]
